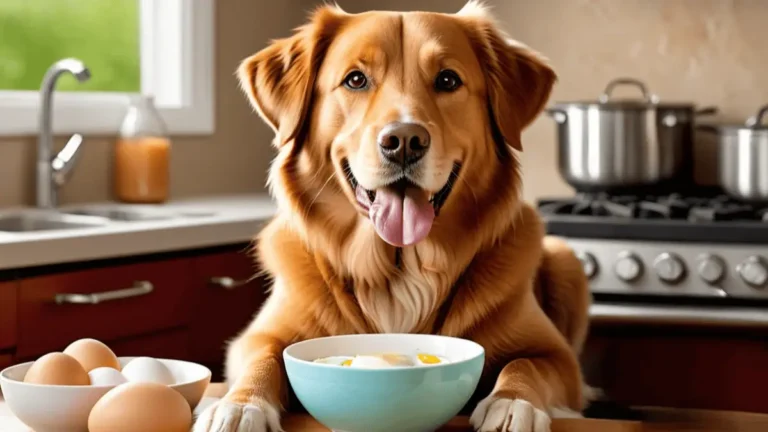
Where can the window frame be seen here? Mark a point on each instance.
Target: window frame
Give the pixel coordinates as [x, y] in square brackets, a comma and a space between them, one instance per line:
[176, 55]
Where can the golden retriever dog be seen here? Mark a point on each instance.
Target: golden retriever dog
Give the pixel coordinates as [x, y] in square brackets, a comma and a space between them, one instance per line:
[399, 210]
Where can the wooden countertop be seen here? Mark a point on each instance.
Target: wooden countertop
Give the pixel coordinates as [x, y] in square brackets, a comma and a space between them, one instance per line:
[689, 421]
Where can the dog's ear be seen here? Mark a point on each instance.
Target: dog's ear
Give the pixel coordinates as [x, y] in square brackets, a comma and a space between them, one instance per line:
[518, 80]
[279, 79]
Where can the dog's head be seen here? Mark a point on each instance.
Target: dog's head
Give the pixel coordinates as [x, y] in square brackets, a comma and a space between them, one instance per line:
[407, 116]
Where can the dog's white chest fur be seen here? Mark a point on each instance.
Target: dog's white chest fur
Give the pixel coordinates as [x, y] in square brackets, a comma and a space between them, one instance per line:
[395, 301]
[408, 298]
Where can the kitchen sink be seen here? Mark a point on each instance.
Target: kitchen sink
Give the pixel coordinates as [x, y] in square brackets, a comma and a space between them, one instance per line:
[45, 222]
[128, 214]
[49, 220]
[124, 215]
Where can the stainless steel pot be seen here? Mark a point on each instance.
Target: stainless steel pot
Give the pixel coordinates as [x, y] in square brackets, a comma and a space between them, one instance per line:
[612, 144]
[743, 151]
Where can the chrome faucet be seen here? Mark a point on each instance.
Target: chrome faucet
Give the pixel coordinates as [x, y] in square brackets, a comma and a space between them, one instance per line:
[53, 172]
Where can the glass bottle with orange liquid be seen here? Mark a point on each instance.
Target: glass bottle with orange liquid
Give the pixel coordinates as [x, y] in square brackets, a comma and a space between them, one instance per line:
[142, 155]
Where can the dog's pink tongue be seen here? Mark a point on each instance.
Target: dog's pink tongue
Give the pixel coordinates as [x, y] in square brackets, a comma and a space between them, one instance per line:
[402, 218]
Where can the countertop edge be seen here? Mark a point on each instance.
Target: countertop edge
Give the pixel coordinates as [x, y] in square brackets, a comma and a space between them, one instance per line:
[238, 219]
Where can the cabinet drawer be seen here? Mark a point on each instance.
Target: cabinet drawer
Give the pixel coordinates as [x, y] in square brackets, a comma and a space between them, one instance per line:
[5, 361]
[8, 292]
[170, 344]
[226, 299]
[105, 303]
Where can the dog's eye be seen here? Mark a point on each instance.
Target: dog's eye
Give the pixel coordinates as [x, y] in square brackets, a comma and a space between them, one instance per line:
[447, 81]
[355, 80]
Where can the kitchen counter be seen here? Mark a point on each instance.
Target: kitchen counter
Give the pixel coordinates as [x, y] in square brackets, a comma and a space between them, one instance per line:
[204, 222]
[666, 420]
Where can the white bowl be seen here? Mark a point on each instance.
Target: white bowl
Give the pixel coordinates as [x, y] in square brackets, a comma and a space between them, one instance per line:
[55, 408]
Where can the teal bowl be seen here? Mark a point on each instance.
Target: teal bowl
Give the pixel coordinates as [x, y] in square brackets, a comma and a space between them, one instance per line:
[405, 399]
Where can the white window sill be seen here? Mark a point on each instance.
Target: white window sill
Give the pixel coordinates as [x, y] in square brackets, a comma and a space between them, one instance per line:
[94, 113]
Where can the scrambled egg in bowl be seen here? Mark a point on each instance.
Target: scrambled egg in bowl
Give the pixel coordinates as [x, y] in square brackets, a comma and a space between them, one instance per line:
[384, 382]
[379, 361]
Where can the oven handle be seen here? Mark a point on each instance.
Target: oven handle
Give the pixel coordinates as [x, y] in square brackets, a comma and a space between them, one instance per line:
[619, 313]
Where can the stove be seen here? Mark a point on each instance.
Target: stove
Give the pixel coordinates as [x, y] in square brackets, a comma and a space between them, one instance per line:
[666, 246]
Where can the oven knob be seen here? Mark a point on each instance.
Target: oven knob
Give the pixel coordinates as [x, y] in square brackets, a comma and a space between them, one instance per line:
[628, 267]
[711, 269]
[669, 268]
[753, 271]
[588, 263]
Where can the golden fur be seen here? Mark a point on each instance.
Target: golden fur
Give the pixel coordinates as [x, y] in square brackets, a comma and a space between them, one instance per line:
[521, 295]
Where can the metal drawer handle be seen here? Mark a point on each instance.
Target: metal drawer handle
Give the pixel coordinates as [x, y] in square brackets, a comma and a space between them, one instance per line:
[227, 282]
[138, 289]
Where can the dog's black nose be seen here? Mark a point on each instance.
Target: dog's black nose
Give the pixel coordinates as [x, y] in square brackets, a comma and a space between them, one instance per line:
[403, 143]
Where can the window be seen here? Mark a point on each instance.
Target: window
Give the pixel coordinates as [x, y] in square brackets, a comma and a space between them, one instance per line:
[105, 35]
[163, 48]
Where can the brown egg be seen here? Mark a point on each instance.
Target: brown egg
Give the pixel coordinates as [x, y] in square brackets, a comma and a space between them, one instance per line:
[92, 354]
[138, 406]
[57, 369]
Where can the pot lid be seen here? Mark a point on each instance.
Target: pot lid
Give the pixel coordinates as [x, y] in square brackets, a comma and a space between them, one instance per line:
[606, 101]
[753, 123]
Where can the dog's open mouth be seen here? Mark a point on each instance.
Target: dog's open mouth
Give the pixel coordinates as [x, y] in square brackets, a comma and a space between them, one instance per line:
[401, 212]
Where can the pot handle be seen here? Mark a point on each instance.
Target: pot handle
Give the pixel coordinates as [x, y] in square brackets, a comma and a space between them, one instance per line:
[670, 120]
[558, 115]
[707, 128]
[647, 96]
[757, 119]
[710, 110]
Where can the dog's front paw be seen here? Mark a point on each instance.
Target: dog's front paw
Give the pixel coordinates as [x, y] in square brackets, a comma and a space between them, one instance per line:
[226, 416]
[508, 415]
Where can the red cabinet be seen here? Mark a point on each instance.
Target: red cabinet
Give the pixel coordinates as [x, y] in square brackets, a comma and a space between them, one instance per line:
[5, 361]
[173, 344]
[8, 293]
[705, 368]
[227, 294]
[184, 306]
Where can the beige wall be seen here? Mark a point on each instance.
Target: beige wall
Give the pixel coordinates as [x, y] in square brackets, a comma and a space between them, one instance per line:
[233, 160]
[711, 52]
[706, 51]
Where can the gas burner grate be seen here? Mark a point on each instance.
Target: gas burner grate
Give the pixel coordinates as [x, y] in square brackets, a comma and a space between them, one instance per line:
[667, 207]
[725, 211]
